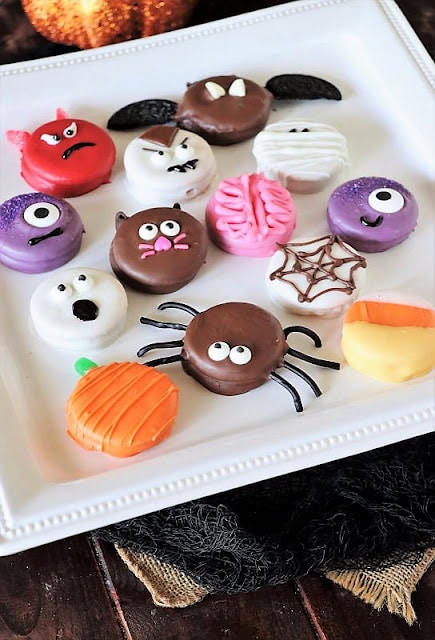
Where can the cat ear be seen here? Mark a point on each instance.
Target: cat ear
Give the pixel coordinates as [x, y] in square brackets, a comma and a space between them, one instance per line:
[61, 114]
[120, 217]
[18, 138]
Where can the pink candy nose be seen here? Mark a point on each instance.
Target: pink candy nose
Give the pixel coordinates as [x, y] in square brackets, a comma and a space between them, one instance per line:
[162, 244]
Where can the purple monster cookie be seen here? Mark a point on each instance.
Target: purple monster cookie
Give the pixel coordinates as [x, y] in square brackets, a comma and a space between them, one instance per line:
[372, 214]
[38, 232]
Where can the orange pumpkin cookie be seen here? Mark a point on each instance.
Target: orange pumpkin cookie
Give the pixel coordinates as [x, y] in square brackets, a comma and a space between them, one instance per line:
[121, 408]
[390, 336]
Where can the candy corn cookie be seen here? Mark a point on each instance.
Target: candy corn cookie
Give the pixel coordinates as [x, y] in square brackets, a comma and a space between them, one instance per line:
[390, 336]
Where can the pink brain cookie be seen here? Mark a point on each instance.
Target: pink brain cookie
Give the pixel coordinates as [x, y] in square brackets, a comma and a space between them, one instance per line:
[248, 215]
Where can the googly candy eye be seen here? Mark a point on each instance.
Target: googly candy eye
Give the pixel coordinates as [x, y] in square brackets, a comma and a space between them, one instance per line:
[148, 231]
[386, 200]
[41, 214]
[218, 351]
[240, 355]
[170, 228]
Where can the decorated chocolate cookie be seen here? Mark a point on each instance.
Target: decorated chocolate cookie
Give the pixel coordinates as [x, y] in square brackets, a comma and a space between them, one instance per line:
[158, 250]
[372, 213]
[224, 109]
[65, 157]
[166, 164]
[79, 309]
[38, 232]
[235, 347]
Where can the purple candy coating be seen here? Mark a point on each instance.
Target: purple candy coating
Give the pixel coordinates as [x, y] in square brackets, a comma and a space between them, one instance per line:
[372, 213]
[38, 232]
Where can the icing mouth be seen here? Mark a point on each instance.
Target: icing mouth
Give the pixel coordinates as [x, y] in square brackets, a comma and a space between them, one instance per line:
[37, 239]
[162, 244]
[368, 223]
[85, 310]
[182, 168]
[78, 145]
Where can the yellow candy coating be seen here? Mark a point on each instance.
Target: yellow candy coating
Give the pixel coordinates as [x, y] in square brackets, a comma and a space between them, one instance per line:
[391, 354]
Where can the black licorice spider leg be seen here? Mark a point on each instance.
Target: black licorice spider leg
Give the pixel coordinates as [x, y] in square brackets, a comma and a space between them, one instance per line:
[299, 372]
[329, 364]
[290, 388]
[165, 325]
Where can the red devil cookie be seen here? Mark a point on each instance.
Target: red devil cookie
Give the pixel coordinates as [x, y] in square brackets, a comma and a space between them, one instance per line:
[65, 157]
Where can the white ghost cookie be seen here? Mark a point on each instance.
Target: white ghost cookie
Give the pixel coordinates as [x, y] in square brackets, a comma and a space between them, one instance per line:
[79, 309]
[302, 156]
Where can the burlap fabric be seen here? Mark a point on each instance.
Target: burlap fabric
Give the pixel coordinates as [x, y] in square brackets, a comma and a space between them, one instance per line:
[391, 587]
[367, 522]
[169, 587]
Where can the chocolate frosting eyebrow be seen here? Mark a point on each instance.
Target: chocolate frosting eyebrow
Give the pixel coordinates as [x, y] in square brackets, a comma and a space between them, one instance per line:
[162, 135]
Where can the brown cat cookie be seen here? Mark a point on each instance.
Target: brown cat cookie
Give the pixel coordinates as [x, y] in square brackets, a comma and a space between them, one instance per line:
[158, 250]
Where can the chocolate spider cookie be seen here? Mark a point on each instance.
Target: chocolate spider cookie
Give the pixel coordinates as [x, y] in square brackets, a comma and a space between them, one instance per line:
[235, 347]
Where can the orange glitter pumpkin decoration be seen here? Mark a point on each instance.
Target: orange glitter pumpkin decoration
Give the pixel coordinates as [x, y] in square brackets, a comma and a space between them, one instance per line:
[94, 23]
[121, 408]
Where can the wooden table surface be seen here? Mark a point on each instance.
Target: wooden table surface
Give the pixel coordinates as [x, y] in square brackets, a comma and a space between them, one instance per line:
[79, 589]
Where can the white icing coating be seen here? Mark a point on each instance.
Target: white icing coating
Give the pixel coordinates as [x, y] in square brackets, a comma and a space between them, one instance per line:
[303, 156]
[327, 296]
[52, 309]
[150, 169]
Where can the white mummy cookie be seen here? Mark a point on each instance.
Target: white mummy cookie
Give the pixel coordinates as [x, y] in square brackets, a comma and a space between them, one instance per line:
[302, 156]
[79, 309]
[166, 165]
[319, 277]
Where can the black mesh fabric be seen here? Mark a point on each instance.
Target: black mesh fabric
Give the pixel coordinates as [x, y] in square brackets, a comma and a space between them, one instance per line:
[364, 511]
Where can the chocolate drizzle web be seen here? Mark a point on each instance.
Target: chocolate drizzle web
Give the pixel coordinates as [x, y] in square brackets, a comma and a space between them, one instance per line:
[318, 265]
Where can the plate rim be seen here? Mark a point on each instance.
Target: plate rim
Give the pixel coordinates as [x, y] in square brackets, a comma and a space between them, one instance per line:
[19, 536]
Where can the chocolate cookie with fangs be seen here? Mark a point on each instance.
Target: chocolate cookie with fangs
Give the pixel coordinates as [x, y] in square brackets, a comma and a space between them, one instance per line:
[225, 109]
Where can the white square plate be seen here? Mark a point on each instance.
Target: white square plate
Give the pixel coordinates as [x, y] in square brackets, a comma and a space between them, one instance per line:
[51, 488]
